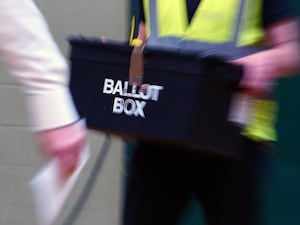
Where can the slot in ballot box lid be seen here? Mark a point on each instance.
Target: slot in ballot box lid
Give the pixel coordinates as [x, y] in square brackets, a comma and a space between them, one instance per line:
[186, 100]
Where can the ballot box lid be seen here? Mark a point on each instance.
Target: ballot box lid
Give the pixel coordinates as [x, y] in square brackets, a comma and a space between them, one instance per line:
[187, 62]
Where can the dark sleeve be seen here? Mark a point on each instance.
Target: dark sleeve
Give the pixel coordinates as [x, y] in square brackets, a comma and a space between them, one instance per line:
[276, 10]
[141, 11]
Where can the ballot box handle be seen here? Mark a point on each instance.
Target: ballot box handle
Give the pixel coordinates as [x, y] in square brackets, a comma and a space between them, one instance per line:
[136, 67]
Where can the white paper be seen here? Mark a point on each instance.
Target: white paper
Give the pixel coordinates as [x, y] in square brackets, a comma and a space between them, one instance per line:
[49, 192]
[241, 109]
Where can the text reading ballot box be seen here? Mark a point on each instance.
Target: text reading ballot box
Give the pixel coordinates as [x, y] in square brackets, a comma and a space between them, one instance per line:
[162, 95]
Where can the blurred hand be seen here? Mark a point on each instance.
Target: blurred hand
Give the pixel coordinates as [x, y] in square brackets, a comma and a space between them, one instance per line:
[280, 61]
[259, 73]
[65, 144]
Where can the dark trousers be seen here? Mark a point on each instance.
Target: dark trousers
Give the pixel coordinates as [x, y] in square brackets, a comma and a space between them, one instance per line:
[162, 178]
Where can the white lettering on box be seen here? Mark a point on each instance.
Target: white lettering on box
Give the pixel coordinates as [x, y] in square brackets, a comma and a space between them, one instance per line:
[108, 86]
[135, 101]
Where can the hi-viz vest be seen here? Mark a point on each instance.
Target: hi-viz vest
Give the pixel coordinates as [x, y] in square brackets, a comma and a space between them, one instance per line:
[232, 28]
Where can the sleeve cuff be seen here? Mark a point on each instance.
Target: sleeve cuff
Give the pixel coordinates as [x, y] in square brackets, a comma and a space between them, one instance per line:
[49, 111]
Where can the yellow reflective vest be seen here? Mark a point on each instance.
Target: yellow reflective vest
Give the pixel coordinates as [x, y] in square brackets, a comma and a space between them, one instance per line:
[213, 22]
[226, 27]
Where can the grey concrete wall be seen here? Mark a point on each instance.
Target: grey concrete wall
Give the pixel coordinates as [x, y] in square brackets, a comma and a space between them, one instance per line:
[19, 160]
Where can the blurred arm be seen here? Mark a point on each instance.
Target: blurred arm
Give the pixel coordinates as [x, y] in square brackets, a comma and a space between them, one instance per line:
[31, 55]
[284, 36]
[283, 59]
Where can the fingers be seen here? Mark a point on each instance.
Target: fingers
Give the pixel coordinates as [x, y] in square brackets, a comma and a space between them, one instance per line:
[68, 159]
[255, 83]
[257, 78]
[103, 39]
[64, 144]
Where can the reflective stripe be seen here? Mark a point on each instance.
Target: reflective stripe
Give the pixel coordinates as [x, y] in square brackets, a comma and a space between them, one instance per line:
[238, 24]
[226, 50]
[251, 32]
[153, 39]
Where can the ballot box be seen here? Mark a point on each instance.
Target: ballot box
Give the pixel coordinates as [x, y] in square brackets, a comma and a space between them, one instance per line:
[184, 98]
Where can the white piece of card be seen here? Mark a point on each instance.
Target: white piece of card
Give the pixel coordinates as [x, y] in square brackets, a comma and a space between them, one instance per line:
[49, 193]
[241, 109]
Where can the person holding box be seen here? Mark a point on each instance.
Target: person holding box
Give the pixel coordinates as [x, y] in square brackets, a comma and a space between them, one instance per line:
[263, 37]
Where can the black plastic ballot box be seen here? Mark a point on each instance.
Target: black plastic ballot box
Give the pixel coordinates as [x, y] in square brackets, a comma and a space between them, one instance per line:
[186, 99]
